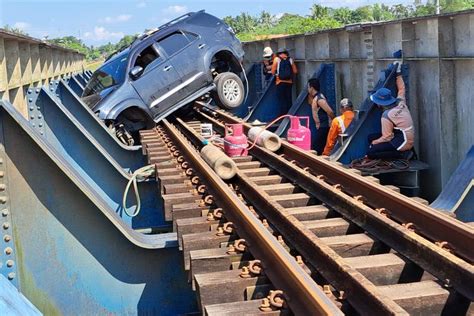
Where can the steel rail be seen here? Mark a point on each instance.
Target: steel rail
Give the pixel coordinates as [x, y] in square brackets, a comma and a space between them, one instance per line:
[427, 222]
[305, 297]
[437, 261]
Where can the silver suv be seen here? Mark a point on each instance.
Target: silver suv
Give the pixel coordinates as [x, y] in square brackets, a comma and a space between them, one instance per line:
[194, 56]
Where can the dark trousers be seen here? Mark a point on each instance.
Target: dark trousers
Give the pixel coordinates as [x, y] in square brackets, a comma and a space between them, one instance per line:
[319, 140]
[284, 93]
[383, 150]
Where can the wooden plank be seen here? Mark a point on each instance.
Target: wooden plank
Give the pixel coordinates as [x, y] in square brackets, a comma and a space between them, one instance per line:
[382, 269]
[293, 200]
[223, 286]
[247, 308]
[328, 227]
[279, 189]
[353, 245]
[204, 240]
[419, 298]
[310, 212]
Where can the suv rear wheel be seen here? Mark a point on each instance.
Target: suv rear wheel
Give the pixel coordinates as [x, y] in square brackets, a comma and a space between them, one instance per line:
[230, 90]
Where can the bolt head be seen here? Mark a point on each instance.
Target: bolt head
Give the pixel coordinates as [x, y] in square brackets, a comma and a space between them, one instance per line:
[10, 263]
[7, 238]
[11, 275]
[6, 225]
[37, 90]
[31, 108]
[5, 212]
[30, 100]
[8, 251]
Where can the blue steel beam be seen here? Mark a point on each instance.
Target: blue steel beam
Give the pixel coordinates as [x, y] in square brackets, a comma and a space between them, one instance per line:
[70, 259]
[96, 166]
[80, 79]
[458, 194]
[75, 85]
[92, 174]
[12, 302]
[129, 157]
[356, 145]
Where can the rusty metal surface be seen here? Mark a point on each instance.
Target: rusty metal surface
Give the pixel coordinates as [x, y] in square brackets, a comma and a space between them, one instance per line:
[428, 222]
[307, 298]
[426, 254]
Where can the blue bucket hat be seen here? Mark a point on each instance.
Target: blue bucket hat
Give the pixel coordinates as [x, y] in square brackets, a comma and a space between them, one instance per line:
[383, 97]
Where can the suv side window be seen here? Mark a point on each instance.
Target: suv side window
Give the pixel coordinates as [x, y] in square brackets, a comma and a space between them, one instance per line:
[146, 57]
[173, 42]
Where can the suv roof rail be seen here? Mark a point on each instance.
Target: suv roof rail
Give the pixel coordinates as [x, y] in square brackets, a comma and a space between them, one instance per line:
[152, 31]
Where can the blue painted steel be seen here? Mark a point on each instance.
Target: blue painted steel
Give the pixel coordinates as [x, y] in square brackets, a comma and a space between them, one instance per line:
[13, 303]
[129, 158]
[71, 259]
[80, 79]
[262, 109]
[300, 107]
[254, 78]
[90, 159]
[458, 195]
[75, 85]
[369, 119]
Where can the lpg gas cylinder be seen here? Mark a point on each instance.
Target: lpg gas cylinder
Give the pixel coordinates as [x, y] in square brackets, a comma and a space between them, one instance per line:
[235, 141]
[299, 135]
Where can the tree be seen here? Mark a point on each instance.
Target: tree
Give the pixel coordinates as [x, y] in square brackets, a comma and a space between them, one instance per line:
[319, 12]
[343, 15]
[266, 20]
[15, 30]
[399, 11]
[381, 12]
[363, 14]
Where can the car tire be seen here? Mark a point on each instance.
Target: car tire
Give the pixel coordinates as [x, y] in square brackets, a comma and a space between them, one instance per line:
[230, 91]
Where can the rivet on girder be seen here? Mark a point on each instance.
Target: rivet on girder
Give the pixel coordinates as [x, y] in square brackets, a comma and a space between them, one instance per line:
[30, 100]
[10, 263]
[2, 174]
[2, 187]
[3, 199]
[37, 90]
[40, 125]
[29, 91]
[5, 212]
[31, 108]
[8, 251]
[6, 225]
[11, 275]
[7, 238]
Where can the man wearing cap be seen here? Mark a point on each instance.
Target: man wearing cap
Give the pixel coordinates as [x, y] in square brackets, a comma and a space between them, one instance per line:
[339, 125]
[268, 57]
[398, 134]
[284, 68]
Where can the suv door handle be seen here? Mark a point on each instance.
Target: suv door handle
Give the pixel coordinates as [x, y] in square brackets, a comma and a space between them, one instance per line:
[167, 68]
[201, 46]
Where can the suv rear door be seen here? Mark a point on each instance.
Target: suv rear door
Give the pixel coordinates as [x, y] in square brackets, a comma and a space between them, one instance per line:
[187, 51]
[155, 85]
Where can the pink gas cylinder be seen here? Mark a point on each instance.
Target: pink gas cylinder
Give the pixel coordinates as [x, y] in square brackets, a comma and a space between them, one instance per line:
[235, 141]
[299, 135]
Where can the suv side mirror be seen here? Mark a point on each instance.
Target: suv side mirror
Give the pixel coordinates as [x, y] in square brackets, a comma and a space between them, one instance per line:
[136, 72]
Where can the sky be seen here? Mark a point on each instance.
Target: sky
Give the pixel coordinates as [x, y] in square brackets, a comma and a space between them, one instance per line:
[102, 21]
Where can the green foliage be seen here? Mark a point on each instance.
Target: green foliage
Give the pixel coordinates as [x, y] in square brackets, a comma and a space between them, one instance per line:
[265, 25]
[15, 30]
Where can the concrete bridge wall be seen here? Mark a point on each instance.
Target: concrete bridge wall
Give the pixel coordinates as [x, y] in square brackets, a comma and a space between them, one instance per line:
[28, 62]
[440, 53]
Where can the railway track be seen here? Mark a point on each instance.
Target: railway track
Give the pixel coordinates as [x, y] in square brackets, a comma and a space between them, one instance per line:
[294, 233]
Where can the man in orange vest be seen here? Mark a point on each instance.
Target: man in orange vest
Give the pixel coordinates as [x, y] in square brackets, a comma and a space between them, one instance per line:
[284, 69]
[339, 125]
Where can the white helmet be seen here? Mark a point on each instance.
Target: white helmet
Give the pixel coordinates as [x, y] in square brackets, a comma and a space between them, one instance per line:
[267, 52]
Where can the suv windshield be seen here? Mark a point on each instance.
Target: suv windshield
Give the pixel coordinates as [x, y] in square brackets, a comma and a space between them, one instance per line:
[110, 74]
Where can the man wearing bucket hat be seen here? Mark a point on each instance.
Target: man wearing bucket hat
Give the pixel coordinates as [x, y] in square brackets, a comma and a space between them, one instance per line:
[339, 125]
[398, 134]
[268, 57]
[284, 69]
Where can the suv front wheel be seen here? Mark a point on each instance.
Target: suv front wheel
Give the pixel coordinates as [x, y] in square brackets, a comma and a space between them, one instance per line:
[230, 91]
